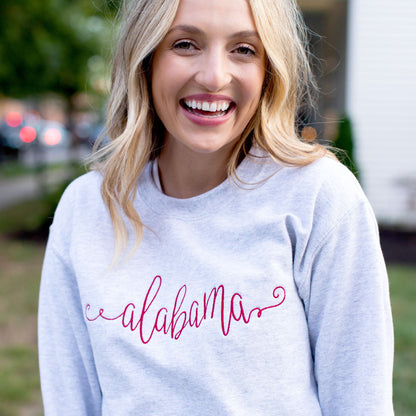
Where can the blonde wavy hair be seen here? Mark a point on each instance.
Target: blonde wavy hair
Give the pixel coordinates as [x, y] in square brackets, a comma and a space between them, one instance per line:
[136, 133]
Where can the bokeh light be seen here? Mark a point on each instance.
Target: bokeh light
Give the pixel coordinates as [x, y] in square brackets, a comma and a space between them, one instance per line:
[309, 134]
[52, 136]
[14, 119]
[27, 134]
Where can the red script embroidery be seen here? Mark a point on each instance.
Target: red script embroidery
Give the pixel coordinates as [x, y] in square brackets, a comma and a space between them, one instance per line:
[178, 319]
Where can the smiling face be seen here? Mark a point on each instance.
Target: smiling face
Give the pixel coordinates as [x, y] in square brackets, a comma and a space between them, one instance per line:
[207, 75]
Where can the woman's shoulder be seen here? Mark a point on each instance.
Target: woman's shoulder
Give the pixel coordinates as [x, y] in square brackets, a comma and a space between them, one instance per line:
[82, 189]
[88, 181]
[324, 186]
[328, 174]
[324, 175]
[82, 196]
[329, 192]
[329, 177]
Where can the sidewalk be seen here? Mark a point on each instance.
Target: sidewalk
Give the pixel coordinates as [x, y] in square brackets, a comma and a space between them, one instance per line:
[27, 187]
[30, 186]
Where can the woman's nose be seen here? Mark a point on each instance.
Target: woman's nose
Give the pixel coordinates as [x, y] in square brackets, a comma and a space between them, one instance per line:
[214, 72]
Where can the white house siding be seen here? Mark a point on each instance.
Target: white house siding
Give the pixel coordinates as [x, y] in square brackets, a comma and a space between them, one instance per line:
[381, 100]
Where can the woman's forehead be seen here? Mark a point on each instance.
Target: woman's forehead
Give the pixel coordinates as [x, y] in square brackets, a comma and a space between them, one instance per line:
[230, 15]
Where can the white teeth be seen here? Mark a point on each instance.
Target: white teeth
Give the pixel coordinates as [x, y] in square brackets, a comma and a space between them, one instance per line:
[208, 106]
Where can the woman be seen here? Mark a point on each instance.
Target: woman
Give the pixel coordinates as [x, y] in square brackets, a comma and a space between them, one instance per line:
[247, 277]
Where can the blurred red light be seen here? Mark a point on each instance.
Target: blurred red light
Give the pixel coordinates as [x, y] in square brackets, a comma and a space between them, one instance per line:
[14, 119]
[27, 134]
[52, 136]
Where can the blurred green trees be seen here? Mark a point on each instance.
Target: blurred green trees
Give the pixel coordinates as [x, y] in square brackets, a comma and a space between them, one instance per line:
[344, 142]
[52, 45]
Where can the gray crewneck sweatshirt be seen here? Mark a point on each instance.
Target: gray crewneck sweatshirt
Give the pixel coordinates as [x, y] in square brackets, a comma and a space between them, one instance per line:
[270, 299]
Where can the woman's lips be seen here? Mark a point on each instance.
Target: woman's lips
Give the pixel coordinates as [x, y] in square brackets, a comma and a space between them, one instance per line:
[207, 110]
[207, 106]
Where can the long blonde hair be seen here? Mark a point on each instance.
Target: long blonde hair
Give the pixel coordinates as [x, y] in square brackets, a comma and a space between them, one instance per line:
[136, 132]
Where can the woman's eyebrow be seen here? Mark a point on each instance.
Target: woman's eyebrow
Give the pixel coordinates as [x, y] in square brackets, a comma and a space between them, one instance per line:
[245, 34]
[186, 28]
[196, 31]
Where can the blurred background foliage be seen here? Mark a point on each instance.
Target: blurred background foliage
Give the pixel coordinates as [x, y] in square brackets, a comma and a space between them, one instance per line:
[48, 48]
[344, 142]
[53, 45]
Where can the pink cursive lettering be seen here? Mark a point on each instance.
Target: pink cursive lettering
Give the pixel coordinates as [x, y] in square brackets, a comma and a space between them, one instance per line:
[172, 323]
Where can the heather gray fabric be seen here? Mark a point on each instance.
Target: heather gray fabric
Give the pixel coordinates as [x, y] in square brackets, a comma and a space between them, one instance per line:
[271, 300]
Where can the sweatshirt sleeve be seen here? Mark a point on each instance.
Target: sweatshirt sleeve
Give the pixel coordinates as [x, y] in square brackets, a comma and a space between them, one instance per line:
[69, 380]
[349, 318]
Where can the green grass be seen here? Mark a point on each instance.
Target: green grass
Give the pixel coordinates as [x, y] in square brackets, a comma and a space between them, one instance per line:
[12, 169]
[403, 296]
[27, 216]
[19, 380]
[21, 263]
[19, 285]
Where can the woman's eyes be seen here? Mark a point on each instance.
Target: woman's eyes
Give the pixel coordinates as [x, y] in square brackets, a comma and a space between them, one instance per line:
[245, 50]
[186, 45]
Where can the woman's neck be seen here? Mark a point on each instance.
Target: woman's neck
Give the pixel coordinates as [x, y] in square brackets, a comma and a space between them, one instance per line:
[185, 174]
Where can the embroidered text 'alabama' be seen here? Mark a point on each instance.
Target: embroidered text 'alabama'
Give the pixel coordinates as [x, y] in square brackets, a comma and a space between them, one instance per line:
[174, 323]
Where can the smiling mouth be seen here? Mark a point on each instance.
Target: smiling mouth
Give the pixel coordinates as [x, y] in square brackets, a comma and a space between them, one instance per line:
[207, 109]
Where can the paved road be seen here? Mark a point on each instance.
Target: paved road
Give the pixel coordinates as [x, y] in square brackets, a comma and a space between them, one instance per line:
[25, 188]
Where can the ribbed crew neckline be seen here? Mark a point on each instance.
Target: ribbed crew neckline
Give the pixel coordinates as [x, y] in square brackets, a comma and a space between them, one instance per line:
[250, 170]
